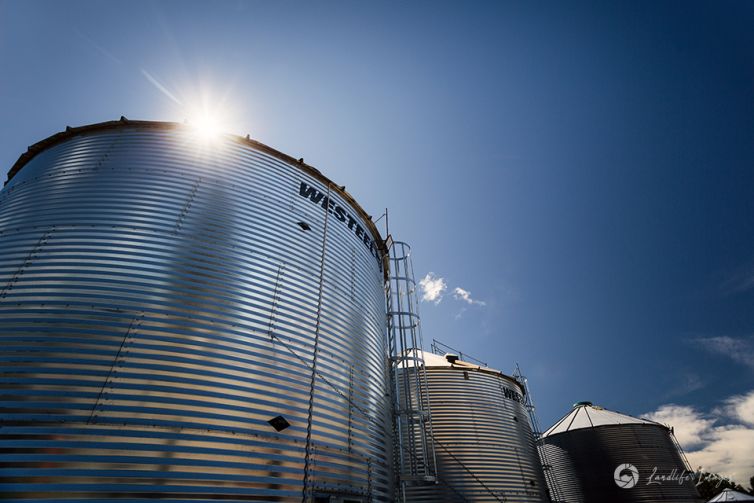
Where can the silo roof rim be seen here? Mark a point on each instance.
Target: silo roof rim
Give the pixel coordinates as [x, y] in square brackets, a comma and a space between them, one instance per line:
[70, 132]
[434, 361]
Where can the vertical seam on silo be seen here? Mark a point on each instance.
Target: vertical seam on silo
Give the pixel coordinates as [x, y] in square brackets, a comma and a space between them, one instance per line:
[129, 333]
[312, 382]
[350, 409]
[187, 206]
[26, 262]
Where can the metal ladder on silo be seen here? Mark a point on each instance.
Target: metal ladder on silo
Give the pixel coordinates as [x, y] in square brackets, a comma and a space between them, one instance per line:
[412, 419]
[680, 450]
[552, 484]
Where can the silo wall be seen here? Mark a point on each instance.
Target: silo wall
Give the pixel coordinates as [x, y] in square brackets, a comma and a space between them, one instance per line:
[163, 297]
[483, 442]
[584, 462]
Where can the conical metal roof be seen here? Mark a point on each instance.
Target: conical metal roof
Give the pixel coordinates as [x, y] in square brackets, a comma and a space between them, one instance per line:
[731, 495]
[587, 415]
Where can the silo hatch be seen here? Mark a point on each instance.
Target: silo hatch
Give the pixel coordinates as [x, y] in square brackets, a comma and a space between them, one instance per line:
[279, 423]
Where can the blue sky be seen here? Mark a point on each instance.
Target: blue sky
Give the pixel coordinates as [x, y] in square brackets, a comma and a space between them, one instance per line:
[583, 170]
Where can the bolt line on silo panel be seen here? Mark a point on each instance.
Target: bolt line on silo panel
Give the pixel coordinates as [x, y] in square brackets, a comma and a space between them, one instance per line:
[117, 361]
[415, 453]
[26, 262]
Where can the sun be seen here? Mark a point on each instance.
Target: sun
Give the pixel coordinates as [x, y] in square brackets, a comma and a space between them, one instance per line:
[206, 125]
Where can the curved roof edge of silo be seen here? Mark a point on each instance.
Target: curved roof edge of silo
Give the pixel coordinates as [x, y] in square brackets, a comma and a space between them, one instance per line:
[585, 415]
[70, 132]
[433, 360]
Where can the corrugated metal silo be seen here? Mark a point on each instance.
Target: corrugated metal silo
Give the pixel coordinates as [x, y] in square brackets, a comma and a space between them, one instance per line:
[483, 441]
[187, 320]
[595, 455]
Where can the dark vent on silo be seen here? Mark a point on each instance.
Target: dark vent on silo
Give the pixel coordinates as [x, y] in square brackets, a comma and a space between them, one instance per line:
[279, 423]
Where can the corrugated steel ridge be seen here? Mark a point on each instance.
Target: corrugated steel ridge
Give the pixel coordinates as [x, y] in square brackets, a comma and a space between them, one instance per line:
[70, 132]
[175, 303]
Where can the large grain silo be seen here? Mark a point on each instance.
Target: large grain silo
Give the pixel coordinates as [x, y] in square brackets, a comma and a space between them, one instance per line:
[595, 455]
[483, 442]
[188, 320]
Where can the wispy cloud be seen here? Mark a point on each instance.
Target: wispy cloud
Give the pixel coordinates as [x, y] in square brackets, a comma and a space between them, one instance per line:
[682, 384]
[740, 350]
[739, 280]
[432, 288]
[465, 295]
[720, 441]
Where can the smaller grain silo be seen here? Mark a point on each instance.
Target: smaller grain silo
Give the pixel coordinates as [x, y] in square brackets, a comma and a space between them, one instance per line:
[731, 495]
[483, 442]
[594, 455]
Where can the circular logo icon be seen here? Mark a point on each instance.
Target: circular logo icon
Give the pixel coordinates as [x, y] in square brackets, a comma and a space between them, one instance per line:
[626, 476]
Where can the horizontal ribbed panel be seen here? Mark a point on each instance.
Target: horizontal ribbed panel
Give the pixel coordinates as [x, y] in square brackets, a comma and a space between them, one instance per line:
[483, 441]
[583, 464]
[159, 304]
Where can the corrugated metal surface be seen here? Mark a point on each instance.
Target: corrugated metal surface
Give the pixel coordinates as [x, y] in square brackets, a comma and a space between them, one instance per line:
[159, 303]
[483, 441]
[584, 461]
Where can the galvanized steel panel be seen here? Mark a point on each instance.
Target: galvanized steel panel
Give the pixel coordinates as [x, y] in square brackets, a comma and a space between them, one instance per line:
[583, 463]
[159, 304]
[483, 441]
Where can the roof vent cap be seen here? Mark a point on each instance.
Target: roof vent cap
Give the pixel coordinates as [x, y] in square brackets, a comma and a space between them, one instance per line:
[582, 404]
[451, 357]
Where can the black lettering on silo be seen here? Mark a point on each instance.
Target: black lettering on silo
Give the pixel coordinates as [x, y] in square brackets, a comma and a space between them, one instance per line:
[310, 192]
[327, 204]
[351, 221]
[340, 213]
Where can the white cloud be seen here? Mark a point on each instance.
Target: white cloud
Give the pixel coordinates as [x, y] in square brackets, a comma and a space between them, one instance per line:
[740, 350]
[690, 427]
[719, 442]
[742, 408]
[465, 295]
[432, 288]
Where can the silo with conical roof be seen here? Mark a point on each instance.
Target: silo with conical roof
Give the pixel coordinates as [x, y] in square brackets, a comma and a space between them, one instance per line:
[594, 455]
